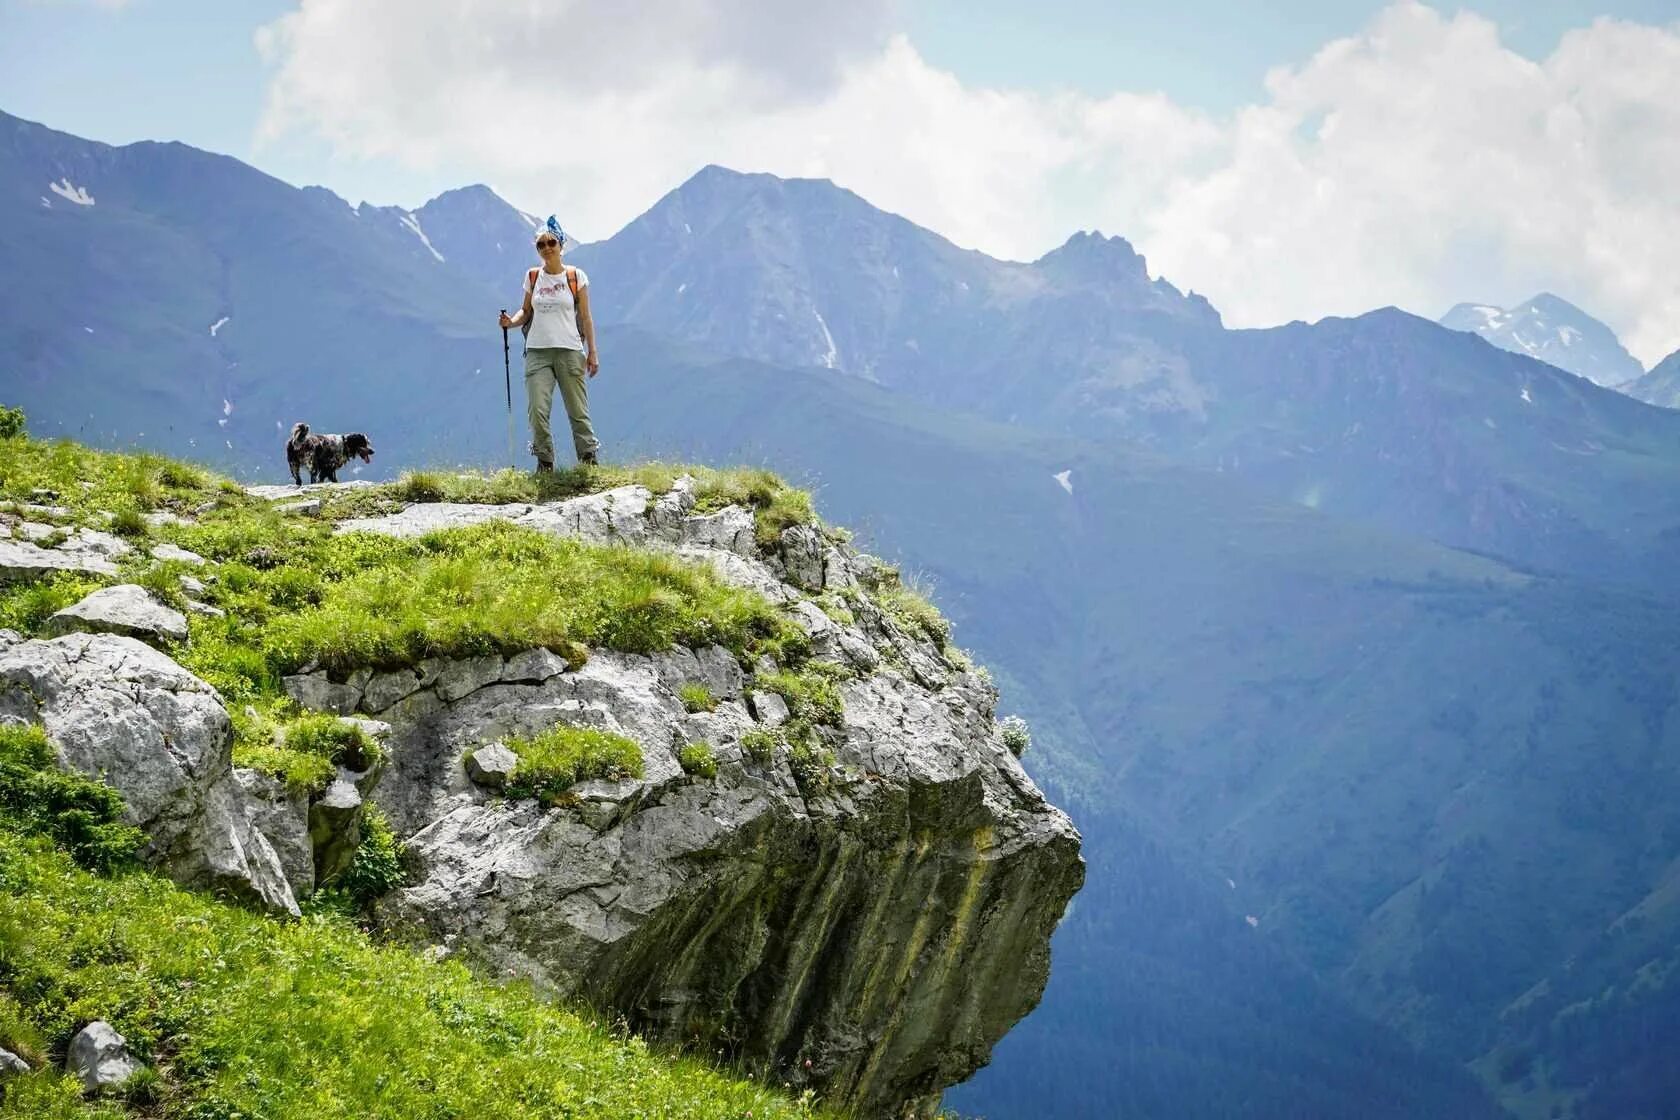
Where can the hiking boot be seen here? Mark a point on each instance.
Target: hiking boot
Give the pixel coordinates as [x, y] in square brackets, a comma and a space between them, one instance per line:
[589, 459]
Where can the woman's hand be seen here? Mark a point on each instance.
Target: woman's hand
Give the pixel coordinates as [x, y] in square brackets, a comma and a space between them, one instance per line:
[594, 363]
[506, 321]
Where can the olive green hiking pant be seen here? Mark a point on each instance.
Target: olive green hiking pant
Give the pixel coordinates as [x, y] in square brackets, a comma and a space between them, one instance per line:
[545, 368]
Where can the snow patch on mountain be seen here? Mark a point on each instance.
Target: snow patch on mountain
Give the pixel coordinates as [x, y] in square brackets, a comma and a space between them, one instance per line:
[1064, 479]
[218, 325]
[65, 189]
[413, 223]
[832, 356]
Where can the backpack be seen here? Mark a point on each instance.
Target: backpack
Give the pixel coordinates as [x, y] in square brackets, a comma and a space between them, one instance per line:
[531, 279]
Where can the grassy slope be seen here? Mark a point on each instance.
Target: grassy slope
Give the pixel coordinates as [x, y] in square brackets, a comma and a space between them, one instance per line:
[240, 1015]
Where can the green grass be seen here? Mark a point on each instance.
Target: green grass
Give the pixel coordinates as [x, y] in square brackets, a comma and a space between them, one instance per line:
[25, 606]
[697, 759]
[553, 761]
[244, 1016]
[696, 697]
[90, 482]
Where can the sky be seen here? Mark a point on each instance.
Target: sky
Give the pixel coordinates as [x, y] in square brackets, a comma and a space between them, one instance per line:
[1290, 160]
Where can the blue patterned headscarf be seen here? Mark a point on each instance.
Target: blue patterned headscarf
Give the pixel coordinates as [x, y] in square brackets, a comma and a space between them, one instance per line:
[552, 226]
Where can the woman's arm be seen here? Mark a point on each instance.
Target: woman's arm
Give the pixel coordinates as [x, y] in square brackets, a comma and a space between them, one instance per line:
[586, 327]
[519, 316]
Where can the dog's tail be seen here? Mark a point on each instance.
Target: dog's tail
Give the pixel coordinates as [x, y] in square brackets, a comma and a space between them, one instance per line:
[299, 430]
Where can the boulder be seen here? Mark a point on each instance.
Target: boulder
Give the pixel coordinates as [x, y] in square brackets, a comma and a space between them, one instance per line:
[99, 1057]
[127, 609]
[166, 551]
[309, 507]
[115, 708]
[492, 765]
[769, 708]
[10, 1063]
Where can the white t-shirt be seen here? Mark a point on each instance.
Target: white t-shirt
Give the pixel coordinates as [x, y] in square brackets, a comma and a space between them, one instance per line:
[553, 317]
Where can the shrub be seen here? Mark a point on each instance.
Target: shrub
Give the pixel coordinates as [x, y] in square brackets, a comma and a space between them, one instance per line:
[11, 422]
[79, 814]
[759, 745]
[697, 759]
[553, 761]
[696, 697]
[1016, 736]
[378, 866]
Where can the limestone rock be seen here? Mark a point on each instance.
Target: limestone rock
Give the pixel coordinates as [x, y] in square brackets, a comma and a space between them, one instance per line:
[166, 551]
[99, 1057]
[618, 515]
[462, 677]
[426, 517]
[127, 609]
[320, 692]
[308, 507]
[770, 708]
[889, 926]
[335, 820]
[21, 560]
[115, 708]
[281, 815]
[730, 529]
[534, 666]
[803, 556]
[10, 1063]
[492, 765]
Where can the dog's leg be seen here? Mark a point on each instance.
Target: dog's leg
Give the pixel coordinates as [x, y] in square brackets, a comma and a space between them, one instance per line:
[332, 475]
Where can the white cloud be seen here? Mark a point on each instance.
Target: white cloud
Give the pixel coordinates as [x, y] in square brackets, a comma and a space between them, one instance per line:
[1418, 163]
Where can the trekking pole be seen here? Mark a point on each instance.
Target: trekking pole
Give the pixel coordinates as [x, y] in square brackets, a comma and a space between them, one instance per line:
[507, 377]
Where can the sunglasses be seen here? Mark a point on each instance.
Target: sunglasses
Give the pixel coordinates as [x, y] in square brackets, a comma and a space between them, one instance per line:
[548, 243]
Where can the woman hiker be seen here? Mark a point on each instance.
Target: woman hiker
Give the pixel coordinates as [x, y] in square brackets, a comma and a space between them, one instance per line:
[558, 332]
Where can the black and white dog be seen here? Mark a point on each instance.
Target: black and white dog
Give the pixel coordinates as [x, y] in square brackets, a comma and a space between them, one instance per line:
[323, 455]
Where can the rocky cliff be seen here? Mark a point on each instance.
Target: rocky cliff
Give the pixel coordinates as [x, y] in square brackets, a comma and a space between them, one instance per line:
[849, 889]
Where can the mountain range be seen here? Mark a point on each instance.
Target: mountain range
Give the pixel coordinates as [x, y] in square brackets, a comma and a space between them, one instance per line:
[1348, 644]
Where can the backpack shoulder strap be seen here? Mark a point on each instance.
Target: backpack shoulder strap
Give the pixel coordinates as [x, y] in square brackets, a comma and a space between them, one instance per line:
[571, 282]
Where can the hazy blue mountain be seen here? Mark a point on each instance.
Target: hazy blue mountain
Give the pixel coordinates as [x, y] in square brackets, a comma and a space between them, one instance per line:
[167, 296]
[1554, 331]
[1661, 386]
[800, 272]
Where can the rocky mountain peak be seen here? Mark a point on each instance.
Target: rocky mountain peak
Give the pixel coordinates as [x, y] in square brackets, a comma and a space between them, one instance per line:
[1552, 329]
